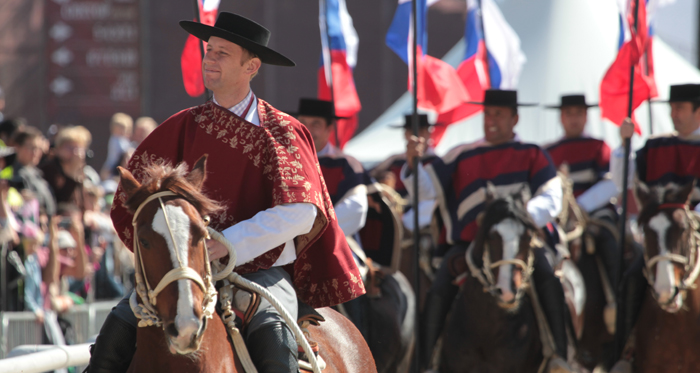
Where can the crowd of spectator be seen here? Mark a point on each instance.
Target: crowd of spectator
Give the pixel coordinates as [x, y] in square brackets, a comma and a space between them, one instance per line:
[59, 247]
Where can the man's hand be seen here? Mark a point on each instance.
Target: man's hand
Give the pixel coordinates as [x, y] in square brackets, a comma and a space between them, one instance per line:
[414, 148]
[216, 249]
[626, 129]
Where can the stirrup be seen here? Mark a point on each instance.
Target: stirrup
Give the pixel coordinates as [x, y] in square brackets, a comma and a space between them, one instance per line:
[558, 365]
[622, 366]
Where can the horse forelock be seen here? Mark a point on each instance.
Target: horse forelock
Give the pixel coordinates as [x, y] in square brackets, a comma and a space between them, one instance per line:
[501, 209]
[658, 196]
[159, 177]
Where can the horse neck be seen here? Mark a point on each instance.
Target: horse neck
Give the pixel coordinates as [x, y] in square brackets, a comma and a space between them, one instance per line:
[215, 354]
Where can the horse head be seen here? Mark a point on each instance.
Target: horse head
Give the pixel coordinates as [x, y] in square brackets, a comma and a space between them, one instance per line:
[670, 242]
[170, 215]
[503, 242]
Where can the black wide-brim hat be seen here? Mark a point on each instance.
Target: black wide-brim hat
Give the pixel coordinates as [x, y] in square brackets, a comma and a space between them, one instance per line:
[313, 107]
[242, 31]
[683, 93]
[500, 97]
[572, 100]
[423, 122]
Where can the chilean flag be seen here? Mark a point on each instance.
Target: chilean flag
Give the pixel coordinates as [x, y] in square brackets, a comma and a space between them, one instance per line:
[191, 58]
[439, 86]
[501, 70]
[339, 44]
[614, 89]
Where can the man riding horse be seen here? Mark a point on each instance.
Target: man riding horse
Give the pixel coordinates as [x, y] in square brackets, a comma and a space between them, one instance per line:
[588, 161]
[666, 158]
[458, 182]
[344, 176]
[263, 171]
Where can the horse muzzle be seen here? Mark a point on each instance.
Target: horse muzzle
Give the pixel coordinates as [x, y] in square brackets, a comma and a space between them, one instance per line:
[670, 302]
[185, 337]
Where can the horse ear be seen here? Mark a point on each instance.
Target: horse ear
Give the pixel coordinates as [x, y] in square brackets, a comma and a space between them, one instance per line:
[491, 192]
[524, 193]
[686, 191]
[127, 181]
[643, 193]
[198, 173]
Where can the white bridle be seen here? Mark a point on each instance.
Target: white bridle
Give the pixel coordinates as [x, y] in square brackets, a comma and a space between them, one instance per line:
[145, 310]
[691, 264]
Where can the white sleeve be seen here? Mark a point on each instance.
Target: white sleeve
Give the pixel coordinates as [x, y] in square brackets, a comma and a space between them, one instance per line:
[425, 215]
[426, 190]
[697, 208]
[269, 229]
[351, 212]
[617, 167]
[598, 195]
[546, 205]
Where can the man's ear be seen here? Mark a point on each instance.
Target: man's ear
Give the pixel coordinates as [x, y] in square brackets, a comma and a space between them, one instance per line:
[253, 66]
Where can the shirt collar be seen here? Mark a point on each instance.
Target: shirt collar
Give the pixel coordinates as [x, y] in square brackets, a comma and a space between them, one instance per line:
[326, 151]
[239, 108]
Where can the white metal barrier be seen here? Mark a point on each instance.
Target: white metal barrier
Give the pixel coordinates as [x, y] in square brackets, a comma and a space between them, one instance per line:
[21, 328]
[47, 358]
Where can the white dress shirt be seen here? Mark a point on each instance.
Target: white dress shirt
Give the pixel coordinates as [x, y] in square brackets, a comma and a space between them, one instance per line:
[544, 206]
[351, 210]
[617, 166]
[273, 227]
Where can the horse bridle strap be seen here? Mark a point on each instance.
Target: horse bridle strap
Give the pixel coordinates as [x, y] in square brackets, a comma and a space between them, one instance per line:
[146, 310]
[485, 276]
[692, 262]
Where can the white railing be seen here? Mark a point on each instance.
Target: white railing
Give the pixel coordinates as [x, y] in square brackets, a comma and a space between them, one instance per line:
[46, 358]
[21, 328]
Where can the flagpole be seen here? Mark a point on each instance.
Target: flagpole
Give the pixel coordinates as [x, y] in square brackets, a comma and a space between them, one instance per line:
[324, 9]
[486, 48]
[651, 124]
[416, 160]
[201, 45]
[623, 217]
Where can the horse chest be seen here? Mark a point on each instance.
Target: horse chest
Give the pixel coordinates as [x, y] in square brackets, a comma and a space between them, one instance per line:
[481, 335]
[667, 342]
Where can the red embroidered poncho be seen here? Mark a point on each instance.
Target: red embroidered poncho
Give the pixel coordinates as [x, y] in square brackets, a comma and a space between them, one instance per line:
[252, 168]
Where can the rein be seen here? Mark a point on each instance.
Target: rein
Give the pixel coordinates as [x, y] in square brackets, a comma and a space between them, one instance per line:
[485, 275]
[145, 311]
[691, 263]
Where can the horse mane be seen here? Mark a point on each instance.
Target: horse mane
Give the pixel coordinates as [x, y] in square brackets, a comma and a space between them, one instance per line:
[502, 208]
[160, 177]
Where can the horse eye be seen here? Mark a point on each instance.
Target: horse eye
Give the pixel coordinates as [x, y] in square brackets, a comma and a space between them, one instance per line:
[143, 243]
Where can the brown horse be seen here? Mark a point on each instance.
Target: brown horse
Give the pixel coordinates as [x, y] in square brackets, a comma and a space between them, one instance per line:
[493, 326]
[170, 224]
[668, 329]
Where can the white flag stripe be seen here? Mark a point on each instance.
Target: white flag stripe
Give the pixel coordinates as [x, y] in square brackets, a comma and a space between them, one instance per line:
[210, 5]
[503, 44]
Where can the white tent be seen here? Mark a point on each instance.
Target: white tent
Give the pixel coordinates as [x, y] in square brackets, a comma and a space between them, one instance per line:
[569, 45]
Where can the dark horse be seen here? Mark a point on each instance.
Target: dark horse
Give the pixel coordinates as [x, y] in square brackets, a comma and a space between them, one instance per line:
[493, 327]
[185, 334]
[668, 329]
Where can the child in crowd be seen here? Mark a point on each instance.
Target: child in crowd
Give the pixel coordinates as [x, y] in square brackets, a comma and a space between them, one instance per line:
[119, 142]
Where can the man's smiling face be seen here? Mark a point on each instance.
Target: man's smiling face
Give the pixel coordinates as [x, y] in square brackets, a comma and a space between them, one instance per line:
[224, 65]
